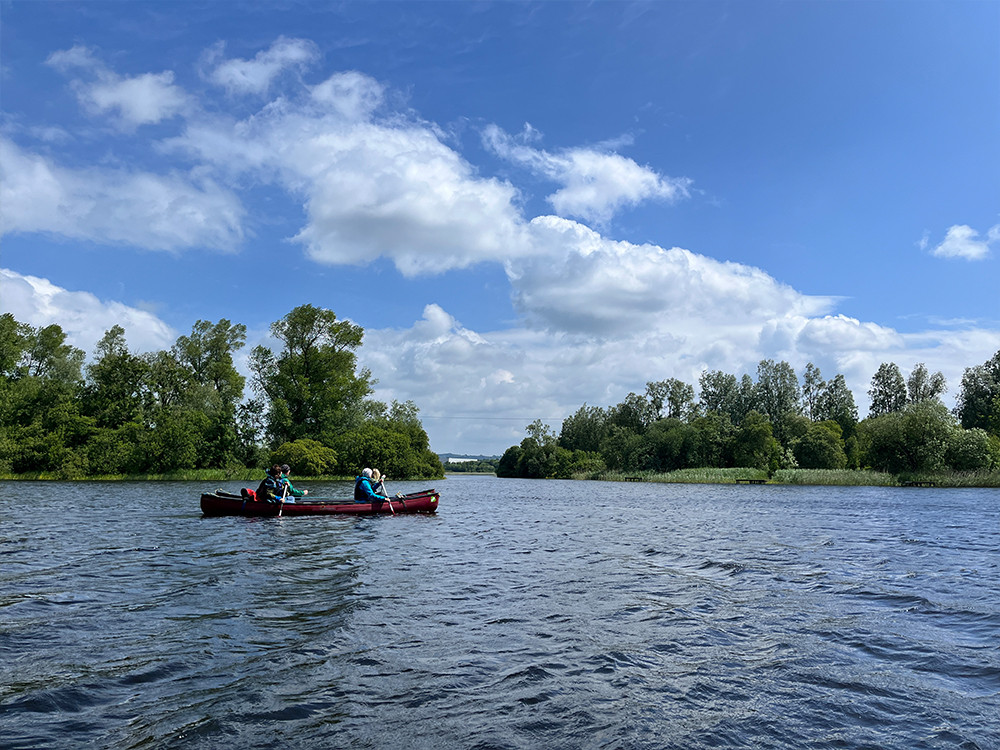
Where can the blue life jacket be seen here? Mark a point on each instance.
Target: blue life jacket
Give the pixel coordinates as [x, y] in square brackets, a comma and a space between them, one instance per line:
[363, 492]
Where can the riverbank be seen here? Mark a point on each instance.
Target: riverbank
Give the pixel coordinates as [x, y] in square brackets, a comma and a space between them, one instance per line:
[816, 477]
[819, 477]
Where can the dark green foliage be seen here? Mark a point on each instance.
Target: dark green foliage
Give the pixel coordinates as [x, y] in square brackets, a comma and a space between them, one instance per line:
[484, 466]
[888, 390]
[308, 458]
[836, 402]
[821, 447]
[183, 409]
[914, 439]
[672, 445]
[539, 456]
[978, 403]
[312, 386]
[770, 424]
[585, 430]
[507, 467]
[755, 446]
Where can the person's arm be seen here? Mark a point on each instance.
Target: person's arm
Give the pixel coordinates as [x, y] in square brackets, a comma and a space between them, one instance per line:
[370, 493]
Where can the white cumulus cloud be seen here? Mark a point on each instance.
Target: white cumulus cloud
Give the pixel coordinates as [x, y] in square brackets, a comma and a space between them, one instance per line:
[256, 76]
[578, 281]
[83, 317]
[156, 212]
[962, 241]
[595, 185]
[370, 188]
[139, 100]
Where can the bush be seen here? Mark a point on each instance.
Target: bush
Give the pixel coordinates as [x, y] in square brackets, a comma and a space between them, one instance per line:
[308, 458]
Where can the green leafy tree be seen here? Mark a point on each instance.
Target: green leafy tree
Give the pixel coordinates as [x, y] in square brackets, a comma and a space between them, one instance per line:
[307, 458]
[312, 387]
[634, 413]
[888, 390]
[116, 388]
[714, 440]
[507, 467]
[536, 460]
[777, 392]
[41, 427]
[972, 450]
[922, 385]
[813, 387]
[978, 402]
[625, 450]
[175, 443]
[755, 446]
[671, 398]
[722, 393]
[585, 429]
[913, 439]
[13, 342]
[821, 447]
[672, 444]
[541, 433]
[836, 402]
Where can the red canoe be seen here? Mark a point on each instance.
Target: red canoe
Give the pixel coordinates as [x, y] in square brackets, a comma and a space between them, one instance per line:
[221, 503]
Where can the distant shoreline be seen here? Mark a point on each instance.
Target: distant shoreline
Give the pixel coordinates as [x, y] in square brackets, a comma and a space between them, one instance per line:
[785, 477]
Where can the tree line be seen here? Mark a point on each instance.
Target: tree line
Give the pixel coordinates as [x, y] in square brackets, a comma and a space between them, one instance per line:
[186, 408]
[776, 422]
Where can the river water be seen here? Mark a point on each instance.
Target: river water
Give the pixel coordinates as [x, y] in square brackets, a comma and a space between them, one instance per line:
[525, 614]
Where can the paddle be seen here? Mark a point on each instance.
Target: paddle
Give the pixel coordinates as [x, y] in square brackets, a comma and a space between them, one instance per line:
[381, 485]
[281, 505]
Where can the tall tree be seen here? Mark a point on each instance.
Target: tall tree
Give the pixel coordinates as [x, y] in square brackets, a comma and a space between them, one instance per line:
[888, 390]
[13, 342]
[978, 403]
[311, 385]
[673, 394]
[208, 353]
[585, 429]
[921, 385]
[776, 393]
[813, 387]
[836, 402]
[634, 413]
[116, 382]
[717, 391]
[216, 387]
[723, 393]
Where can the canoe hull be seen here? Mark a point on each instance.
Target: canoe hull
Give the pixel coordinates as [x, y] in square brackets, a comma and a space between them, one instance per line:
[227, 504]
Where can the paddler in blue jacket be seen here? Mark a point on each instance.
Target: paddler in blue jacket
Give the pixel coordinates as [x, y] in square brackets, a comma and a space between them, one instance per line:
[363, 492]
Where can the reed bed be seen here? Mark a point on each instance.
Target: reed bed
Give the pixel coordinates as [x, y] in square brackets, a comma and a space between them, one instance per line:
[687, 476]
[956, 479]
[835, 477]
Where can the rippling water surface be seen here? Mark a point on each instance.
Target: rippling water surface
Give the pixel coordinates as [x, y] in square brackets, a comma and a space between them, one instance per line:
[523, 615]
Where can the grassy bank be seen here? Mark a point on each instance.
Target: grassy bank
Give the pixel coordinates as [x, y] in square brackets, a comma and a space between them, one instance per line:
[824, 477]
[835, 477]
[685, 476]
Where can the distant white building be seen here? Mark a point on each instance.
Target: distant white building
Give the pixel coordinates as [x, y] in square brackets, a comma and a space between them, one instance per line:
[453, 460]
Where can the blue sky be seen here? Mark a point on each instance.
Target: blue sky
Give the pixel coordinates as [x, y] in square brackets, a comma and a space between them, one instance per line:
[527, 206]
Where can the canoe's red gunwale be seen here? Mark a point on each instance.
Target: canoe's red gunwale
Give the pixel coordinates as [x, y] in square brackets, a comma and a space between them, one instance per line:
[226, 504]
